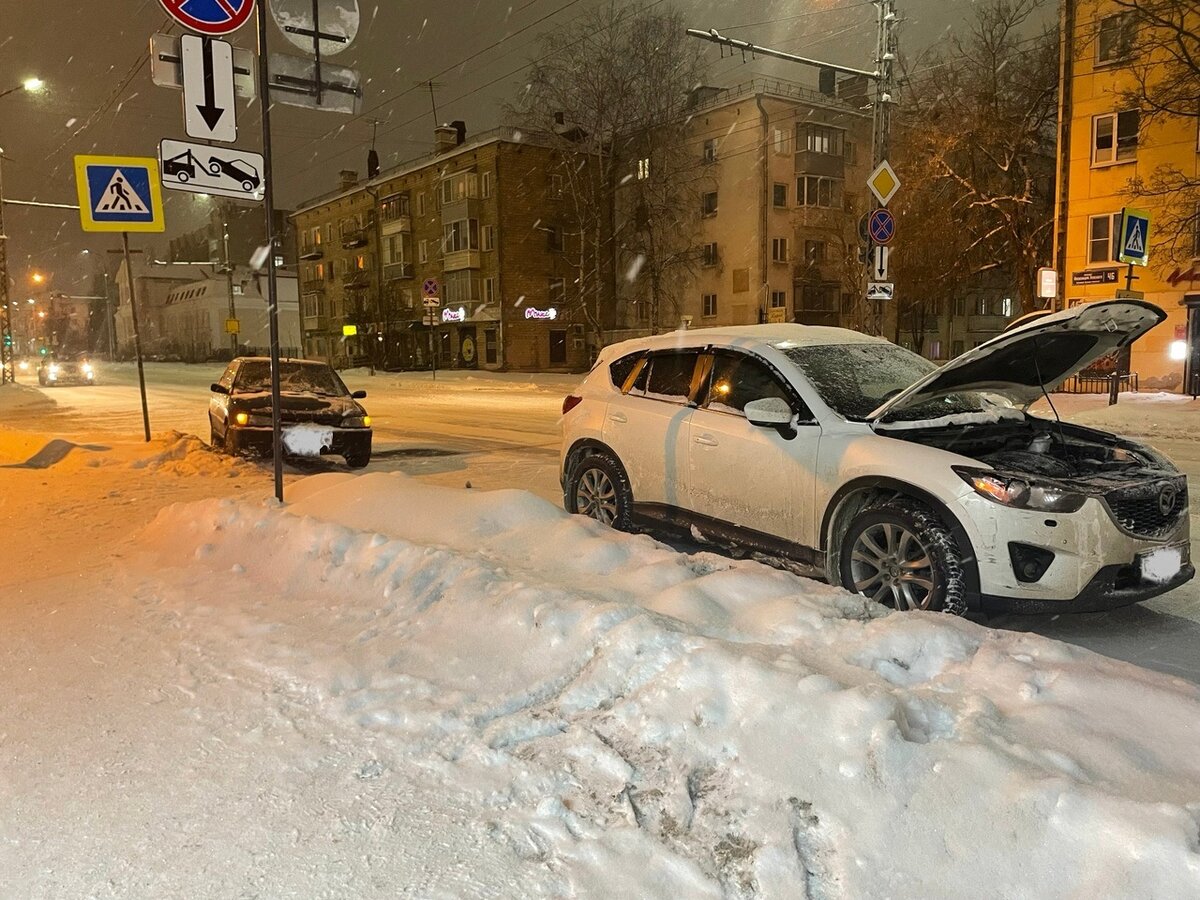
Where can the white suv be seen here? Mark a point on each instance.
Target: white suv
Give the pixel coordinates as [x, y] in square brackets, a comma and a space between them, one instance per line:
[925, 487]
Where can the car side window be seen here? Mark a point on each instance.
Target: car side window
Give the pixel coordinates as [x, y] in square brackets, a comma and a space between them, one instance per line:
[671, 375]
[620, 370]
[226, 380]
[738, 379]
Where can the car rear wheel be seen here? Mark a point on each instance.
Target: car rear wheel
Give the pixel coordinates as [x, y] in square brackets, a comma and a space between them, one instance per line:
[358, 460]
[598, 488]
[903, 556]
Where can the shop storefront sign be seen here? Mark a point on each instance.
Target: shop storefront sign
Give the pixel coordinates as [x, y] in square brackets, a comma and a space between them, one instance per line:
[454, 315]
[547, 314]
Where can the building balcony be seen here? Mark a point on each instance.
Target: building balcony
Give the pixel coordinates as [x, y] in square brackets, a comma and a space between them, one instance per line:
[460, 209]
[397, 271]
[312, 286]
[455, 260]
[316, 323]
[311, 251]
[809, 162]
[353, 238]
[987, 323]
[359, 278]
[396, 224]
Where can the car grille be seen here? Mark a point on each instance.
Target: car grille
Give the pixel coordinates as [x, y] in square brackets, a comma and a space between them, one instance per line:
[1149, 510]
[296, 417]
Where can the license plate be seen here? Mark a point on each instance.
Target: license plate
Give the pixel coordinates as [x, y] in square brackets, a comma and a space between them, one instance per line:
[307, 440]
[1163, 564]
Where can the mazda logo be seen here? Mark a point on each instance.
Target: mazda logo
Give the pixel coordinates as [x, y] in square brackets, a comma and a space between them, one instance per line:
[1166, 499]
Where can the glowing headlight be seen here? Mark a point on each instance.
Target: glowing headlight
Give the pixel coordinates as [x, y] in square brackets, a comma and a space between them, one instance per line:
[87, 368]
[23, 365]
[356, 422]
[242, 418]
[53, 369]
[1020, 493]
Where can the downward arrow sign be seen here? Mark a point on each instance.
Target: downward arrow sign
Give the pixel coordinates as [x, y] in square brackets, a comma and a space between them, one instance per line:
[208, 108]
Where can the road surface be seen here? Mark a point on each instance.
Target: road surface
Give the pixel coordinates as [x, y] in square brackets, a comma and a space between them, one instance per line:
[500, 431]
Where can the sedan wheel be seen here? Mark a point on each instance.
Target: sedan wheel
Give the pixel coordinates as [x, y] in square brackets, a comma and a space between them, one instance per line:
[598, 488]
[597, 497]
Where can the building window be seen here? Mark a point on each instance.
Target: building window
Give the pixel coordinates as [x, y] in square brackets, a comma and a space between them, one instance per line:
[421, 203]
[423, 251]
[489, 289]
[1006, 307]
[778, 299]
[556, 290]
[708, 204]
[392, 208]
[462, 186]
[460, 235]
[779, 195]
[819, 297]
[779, 250]
[556, 186]
[710, 150]
[1115, 39]
[959, 306]
[558, 347]
[489, 237]
[956, 348]
[708, 305]
[820, 139]
[1115, 137]
[935, 349]
[1103, 238]
[783, 143]
[710, 255]
[983, 306]
[643, 168]
[814, 251]
[812, 190]
[485, 185]
[554, 237]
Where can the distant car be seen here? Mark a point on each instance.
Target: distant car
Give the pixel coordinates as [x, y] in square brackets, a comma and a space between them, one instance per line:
[55, 370]
[925, 487]
[237, 169]
[319, 413]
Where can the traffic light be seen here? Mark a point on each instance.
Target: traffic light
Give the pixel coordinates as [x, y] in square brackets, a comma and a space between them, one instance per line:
[42, 351]
[8, 341]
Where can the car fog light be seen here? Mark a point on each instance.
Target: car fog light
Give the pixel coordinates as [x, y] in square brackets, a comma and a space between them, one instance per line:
[241, 418]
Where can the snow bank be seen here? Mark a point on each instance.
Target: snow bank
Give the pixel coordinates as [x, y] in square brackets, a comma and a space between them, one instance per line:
[23, 398]
[1157, 414]
[608, 717]
[171, 452]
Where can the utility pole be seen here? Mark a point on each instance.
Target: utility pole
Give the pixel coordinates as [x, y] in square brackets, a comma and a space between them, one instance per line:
[264, 79]
[8, 369]
[883, 75]
[233, 335]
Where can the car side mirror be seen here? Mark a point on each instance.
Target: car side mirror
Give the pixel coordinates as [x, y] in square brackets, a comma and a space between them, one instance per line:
[770, 412]
[359, 395]
[218, 388]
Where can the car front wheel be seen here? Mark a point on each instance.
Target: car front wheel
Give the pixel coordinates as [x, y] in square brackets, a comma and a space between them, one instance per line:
[598, 488]
[904, 556]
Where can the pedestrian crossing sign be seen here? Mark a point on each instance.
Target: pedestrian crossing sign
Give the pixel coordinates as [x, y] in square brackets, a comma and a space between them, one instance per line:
[1135, 237]
[119, 193]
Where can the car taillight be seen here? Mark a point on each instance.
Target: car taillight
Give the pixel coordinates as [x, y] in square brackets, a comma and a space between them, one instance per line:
[570, 403]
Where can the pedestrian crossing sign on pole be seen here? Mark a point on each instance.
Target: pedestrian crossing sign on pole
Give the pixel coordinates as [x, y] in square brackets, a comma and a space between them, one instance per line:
[119, 193]
[1135, 237]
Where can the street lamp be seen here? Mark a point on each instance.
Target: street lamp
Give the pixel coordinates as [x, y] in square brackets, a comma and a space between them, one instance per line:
[38, 277]
[31, 85]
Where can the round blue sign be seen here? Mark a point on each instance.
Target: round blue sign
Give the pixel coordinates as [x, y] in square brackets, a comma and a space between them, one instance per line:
[882, 226]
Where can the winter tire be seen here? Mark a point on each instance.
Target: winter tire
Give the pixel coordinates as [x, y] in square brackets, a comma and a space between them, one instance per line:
[598, 488]
[358, 460]
[903, 556]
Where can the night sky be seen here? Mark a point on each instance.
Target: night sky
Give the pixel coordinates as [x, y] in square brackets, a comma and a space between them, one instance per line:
[100, 99]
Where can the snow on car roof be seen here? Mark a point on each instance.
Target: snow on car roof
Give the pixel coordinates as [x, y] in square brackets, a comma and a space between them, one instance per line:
[777, 335]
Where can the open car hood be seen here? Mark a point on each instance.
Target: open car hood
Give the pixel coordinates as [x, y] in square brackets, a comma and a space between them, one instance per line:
[1019, 364]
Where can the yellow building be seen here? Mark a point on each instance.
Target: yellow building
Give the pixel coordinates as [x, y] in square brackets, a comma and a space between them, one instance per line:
[1104, 143]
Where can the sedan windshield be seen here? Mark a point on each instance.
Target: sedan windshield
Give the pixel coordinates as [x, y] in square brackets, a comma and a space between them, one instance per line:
[294, 378]
[856, 379]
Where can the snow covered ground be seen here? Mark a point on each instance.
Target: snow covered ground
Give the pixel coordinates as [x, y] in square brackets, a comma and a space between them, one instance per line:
[398, 686]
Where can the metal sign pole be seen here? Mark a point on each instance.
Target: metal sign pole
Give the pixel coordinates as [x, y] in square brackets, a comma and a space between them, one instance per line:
[137, 338]
[269, 201]
[8, 371]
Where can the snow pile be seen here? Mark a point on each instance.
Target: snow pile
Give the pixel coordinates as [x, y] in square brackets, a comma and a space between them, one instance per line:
[1159, 414]
[177, 453]
[23, 398]
[597, 715]
[171, 452]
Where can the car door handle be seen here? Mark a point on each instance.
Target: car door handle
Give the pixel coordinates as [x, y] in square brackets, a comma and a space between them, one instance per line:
[619, 418]
[706, 440]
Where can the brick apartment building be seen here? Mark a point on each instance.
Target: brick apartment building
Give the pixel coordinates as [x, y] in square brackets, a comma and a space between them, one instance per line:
[487, 220]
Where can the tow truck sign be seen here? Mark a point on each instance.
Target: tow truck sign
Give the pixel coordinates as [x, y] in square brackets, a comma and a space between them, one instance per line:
[203, 169]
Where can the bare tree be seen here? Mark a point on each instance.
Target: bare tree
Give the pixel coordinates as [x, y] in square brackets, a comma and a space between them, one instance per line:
[976, 139]
[1159, 43]
[611, 90]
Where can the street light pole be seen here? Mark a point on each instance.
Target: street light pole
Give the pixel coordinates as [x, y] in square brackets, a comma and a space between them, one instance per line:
[8, 373]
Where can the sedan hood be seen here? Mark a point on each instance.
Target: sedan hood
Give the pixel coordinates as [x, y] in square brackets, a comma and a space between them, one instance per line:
[302, 405]
[1021, 363]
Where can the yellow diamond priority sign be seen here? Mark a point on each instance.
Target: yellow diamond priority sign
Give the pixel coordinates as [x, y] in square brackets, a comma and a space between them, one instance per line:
[883, 183]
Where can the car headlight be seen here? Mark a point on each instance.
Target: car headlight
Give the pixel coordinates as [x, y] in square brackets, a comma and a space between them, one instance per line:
[23, 366]
[1021, 493]
[242, 418]
[53, 370]
[87, 368]
[356, 422]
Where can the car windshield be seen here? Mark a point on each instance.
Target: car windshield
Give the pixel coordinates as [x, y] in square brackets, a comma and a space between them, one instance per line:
[294, 378]
[856, 379]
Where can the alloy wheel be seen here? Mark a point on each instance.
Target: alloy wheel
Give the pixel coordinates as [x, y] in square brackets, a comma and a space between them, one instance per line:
[888, 561]
[596, 497]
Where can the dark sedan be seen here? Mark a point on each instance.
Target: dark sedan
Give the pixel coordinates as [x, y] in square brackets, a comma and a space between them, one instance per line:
[319, 413]
[55, 370]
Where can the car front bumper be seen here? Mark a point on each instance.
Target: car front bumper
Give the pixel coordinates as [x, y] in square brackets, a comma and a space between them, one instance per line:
[352, 441]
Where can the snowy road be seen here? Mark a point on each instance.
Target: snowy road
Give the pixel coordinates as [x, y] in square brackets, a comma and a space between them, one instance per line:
[500, 431]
